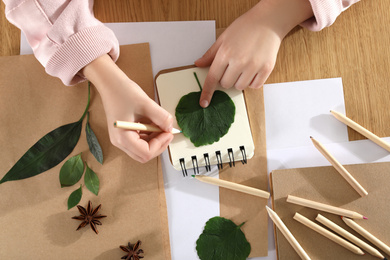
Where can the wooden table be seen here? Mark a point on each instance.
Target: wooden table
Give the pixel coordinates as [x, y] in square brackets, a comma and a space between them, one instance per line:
[355, 48]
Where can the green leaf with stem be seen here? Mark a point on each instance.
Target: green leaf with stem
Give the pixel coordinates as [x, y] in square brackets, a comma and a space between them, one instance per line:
[222, 239]
[93, 142]
[72, 171]
[205, 126]
[91, 180]
[75, 197]
[48, 152]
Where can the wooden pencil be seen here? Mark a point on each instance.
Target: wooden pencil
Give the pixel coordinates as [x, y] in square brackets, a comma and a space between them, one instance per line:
[233, 186]
[346, 175]
[287, 234]
[347, 235]
[326, 233]
[141, 127]
[358, 128]
[370, 237]
[324, 207]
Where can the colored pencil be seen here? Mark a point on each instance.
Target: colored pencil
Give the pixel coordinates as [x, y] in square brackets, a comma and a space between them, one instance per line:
[344, 233]
[233, 186]
[326, 233]
[346, 175]
[370, 237]
[287, 234]
[324, 207]
[141, 127]
[358, 128]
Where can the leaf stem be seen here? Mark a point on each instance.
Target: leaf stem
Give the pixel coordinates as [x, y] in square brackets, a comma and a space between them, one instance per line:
[89, 99]
[197, 80]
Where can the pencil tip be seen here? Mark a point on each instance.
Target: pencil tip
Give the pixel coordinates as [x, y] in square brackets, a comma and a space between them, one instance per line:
[341, 217]
[365, 217]
[115, 124]
[385, 258]
[193, 176]
[311, 137]
[176, 131]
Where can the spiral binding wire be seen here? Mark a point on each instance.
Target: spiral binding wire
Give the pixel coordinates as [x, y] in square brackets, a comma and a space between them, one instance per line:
[207, 161]
[183, 167]
[244, 160]
[231, 157]
[195, 164]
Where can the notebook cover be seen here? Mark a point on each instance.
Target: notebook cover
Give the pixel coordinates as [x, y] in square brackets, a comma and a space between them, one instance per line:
[172, 85]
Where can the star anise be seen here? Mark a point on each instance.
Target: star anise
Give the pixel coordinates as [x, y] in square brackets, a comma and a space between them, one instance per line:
[88, 216]
[132, 251]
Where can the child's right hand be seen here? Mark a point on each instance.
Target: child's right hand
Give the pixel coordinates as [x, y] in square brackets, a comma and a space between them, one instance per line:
[124, 100]
[245, 53]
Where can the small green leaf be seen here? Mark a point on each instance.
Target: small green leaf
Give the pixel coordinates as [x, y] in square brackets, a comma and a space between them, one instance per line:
[71, 171]
[91, 181]
[93, 142]
[222, 239]
[205, 125]
[75, 197]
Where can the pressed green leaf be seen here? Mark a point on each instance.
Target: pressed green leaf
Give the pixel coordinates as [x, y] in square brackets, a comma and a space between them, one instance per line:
[91, 181]
[48, 152]
[205, 125]
[74, 198]
[93, 142]
[222, 239]
[71, 171]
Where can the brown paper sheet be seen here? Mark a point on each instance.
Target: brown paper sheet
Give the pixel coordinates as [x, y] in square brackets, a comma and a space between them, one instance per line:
[34, 218]
[241, 207]
[326, 185]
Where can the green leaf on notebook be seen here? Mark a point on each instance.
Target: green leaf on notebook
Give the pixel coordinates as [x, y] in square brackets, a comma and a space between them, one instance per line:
[71, 171]
[75, 197]
[93, 142]
[91, 181]
[222, 239]
[205, 125]
[48, 152]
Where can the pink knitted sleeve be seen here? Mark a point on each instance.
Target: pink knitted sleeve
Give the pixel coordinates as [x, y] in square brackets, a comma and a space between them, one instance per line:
[326, 12]
[64, 34]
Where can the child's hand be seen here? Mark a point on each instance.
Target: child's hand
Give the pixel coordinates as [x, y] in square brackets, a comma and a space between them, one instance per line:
[245, 53]
[243, 56]
[124, 100]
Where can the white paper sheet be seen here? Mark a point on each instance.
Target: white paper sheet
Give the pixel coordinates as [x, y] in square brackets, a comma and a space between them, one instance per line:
[297, 110]
[354, 152]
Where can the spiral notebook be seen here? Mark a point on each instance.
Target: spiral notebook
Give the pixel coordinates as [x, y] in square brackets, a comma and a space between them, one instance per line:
[236, 146]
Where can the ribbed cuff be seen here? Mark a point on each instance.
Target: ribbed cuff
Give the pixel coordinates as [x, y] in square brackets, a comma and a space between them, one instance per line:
[325, 14]
[80, 50]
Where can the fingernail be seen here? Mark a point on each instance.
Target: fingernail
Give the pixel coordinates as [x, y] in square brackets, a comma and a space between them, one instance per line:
[204, 103]
[195, 62]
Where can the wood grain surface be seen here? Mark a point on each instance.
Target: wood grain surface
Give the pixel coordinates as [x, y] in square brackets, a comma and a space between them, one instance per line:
[355, 47]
